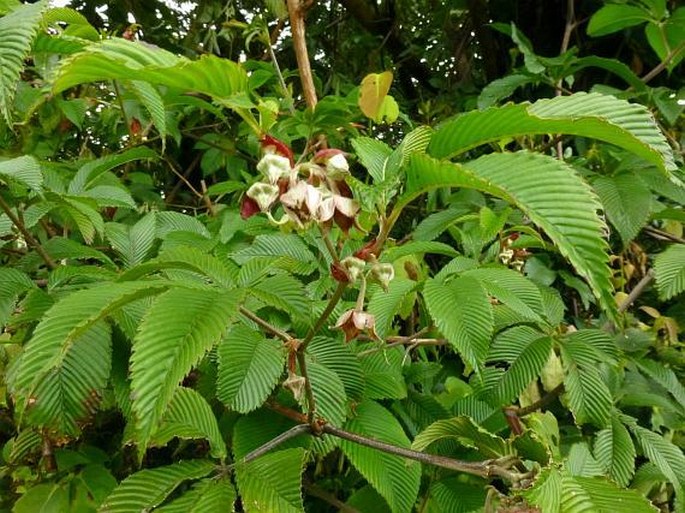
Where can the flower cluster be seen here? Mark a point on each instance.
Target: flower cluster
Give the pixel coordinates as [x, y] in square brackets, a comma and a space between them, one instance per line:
[314, 191]
[356, 321]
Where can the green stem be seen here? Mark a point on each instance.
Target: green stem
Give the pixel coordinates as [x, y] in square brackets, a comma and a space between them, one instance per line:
[332, 303]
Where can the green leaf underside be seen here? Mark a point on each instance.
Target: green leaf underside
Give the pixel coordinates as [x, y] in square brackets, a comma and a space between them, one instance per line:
[207, 496]
[119, 59]
[396, 479]
[179, 328]
[66, 362]
[669, 267]
[23, 170]
[190, 416]
[548, 191]
[465, 432]
[462, 311]
[148, 488]
[627, 202]
[614, 450]
[594, 115]
[17, 32]
[249, 368]
[272, 483]
[558, 491]
[385, 305]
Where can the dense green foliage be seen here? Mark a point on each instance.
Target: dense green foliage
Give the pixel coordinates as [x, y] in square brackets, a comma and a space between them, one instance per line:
[224, 287]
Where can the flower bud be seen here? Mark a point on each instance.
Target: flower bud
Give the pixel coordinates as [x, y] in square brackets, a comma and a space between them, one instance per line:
[383, 274]
[337, 167]
[354, 267]
[274, 167]
[264, 194]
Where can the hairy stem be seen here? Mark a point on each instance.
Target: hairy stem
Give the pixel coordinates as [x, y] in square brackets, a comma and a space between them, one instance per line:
[30, 239]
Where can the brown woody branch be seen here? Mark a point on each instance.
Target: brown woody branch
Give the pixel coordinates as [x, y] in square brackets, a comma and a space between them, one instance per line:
[488, 469]
[297, 11]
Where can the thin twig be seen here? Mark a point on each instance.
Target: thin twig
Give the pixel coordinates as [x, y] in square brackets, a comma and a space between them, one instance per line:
[637, 291]
[545, 400]
[279, 74]
[329, 244]
[267, 326]
[296, 11]
[320, 493]
[308, 392]
[207, 201]
[332, 303]
[120, 100]
[664, 63]
[486, 469]
[565, 41]
[662, 235]
[275, 442]
[30, 239]
[172, 195]
[182, 178]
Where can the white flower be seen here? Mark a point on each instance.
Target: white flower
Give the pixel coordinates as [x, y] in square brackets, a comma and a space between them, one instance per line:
[337, 166]
[301, 202]
[274, 167]
[354, 267]
[264, 194]
[383, 274]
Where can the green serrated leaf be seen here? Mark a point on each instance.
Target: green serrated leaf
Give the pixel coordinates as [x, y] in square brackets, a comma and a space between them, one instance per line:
[615, 451]
[179, 328]
[462, 312]
[148, 488]
[190, 416]
[249, 368]
[627, 202]
[669, 268]
[396, 479]
[386, 305]
[272, 483]
[465, 432]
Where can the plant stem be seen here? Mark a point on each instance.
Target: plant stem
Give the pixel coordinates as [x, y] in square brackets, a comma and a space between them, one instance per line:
[316, 491]
[275, 442]
[267, 326]
[540, 403]
[486, 469]
[565, 41]
[309, 393]
[296, 10]
[279, 73]
[30, 239]
[329, 244]
[120, 100]
[332, 303]
[662, 65]
[182, 178]
[637, 291]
